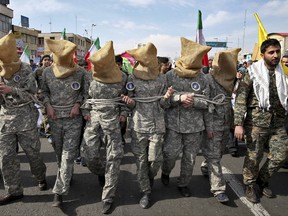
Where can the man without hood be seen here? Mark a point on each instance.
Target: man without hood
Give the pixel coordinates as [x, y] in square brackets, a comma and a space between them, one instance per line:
[259, 114]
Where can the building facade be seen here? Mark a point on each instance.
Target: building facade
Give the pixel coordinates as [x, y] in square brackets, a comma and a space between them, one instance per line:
[6, 15]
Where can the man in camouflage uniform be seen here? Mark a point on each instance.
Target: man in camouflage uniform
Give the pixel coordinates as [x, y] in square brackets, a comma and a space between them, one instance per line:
[148, 124]
[18, 121]
[188, 116]
[221, 81]
[264, 122]
[45, 62]
[103, 120]
[63, 87]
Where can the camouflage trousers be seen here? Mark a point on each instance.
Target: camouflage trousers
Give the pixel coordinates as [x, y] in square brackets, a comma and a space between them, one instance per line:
[213, 150]
[65, 134]
[10, 163]
[257, 138]
[147, 149]
[90, 150]
[175, 143]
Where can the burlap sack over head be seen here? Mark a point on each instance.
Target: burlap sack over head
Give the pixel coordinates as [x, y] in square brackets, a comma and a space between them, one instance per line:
[190, 63]
[146, 67]
[225, 68]
[9, 59]
[63, 63]
[104, 68]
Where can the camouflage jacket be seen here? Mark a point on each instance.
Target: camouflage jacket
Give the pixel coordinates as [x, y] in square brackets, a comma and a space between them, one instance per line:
[63, 93]
[222, 114]
[148, 117]
[18, 112]
[247, 105]
[106, 114]
[195, 118]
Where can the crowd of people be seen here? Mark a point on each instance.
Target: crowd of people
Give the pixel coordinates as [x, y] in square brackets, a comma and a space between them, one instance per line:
[174, 112]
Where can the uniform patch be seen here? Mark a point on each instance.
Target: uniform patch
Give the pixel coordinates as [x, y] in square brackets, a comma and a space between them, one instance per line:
[195, 86]
[75, 86]
[130, 86]
[17, 78]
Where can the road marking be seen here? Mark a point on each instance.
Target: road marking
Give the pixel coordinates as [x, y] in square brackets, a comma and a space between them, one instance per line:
[257, 209]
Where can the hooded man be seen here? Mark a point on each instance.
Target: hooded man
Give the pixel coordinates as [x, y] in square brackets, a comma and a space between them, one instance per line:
[187, 117]
[64, 87]
[18, 121]
[221, 80]
[103, 119]
[148, 124]
[259, 114]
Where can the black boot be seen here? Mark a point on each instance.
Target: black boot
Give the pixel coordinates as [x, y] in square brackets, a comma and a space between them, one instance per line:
[165, 179]
[57, 201]
[101, 180]
[144, 201]
[251, 193]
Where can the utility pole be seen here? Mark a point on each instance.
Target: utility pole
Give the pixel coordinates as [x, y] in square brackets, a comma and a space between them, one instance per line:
[93, 25]
[50, 23]
[244, 28]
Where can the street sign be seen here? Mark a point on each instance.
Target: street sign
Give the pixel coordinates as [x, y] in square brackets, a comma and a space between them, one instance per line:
[216, 44]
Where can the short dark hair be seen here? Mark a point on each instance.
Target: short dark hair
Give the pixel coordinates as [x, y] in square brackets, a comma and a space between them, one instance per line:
[118, 59]
[269, 42]
[45, 56]
[162, 59]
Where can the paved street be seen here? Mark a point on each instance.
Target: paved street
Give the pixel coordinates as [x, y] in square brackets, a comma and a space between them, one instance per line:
[85, 194]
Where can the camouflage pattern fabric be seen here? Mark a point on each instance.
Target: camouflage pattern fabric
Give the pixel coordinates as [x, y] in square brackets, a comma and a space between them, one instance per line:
[213, 149]
[148, 128]
[105, 118]
[148, 162]
[18, 124]
[262, 128]
[176, 143]
[185, 126]
[65, 131]
[195, 118]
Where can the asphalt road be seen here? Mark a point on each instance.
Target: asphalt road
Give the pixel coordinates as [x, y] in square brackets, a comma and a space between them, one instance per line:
[85, 193]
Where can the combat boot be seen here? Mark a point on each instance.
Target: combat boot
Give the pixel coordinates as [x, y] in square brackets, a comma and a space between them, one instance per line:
[145, 200]
[57, 201]
[42, 185]
[165, 179]
[107, 207]
[251, 193]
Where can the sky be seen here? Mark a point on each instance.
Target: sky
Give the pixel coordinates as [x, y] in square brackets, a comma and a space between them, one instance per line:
[161, 22]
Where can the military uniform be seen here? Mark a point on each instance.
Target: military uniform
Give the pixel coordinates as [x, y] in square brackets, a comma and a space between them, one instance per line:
[63, 94]
[262, 127]
[213, 149]
[147, 128]
[18, 124]
[105, 118]
[184, 126]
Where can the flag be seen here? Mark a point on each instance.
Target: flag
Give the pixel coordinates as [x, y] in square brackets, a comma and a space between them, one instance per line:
[128, 62]
[63, 34]
[262, 34]
[200, 37]
[94, 47]
[25, 56]
[63, 37]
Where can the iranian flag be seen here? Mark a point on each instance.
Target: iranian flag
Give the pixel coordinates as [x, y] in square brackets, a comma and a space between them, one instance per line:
[94, 47]
[25, 56]
[200, 37]
[63, 37]
[63, 34]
